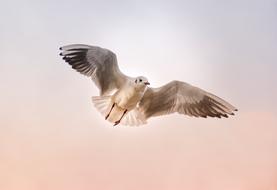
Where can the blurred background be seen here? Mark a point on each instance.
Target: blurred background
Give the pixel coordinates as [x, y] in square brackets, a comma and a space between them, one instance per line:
[52, 138]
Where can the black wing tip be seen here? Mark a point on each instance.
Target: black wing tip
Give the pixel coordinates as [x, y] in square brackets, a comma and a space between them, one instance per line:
[61, 54]
[225, 115]
[60, 48]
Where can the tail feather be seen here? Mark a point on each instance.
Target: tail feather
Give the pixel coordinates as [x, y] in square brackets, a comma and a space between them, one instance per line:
[104, 104]
[133, 118]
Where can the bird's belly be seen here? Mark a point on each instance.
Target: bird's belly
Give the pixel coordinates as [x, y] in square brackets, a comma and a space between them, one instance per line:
[127, 101]
[132, 102]
[115, 114]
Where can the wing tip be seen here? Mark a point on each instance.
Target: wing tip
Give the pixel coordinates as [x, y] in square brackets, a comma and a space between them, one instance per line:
[74, 46]
[225, 115]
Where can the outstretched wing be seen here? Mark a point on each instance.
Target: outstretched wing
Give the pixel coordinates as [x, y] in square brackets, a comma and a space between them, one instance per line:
[98, 63]
[183, 98]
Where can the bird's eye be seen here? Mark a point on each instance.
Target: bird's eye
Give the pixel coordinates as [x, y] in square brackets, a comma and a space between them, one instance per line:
[140, 80]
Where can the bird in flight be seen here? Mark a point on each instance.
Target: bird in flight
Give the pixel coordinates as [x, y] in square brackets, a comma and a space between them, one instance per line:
[130, 101]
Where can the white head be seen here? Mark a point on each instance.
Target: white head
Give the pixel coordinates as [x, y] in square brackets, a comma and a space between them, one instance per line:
[141, 82]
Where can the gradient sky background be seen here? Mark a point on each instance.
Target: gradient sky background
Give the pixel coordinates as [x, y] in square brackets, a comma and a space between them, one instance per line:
[52, 138]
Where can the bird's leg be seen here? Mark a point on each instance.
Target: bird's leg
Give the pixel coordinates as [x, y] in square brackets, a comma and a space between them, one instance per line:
[107, 116]
[117, 122]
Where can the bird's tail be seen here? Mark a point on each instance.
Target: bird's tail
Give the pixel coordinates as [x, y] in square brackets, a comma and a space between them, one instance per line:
[102, 104]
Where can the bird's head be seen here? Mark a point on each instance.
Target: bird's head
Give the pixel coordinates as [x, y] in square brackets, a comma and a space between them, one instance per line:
[141, 82]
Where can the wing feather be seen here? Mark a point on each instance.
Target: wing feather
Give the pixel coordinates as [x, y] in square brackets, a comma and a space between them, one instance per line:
[185, 99]
[98, 63]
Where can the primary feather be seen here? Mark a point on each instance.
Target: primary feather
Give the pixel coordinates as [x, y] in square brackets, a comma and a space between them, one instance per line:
[98, 63]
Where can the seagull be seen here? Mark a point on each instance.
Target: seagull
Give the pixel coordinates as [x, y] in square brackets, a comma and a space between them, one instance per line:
[129, 100]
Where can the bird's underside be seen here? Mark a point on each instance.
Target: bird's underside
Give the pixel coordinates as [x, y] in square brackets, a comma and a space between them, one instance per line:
[133, 101]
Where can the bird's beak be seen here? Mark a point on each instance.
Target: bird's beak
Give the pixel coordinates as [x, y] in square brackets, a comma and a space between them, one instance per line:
[147, 83]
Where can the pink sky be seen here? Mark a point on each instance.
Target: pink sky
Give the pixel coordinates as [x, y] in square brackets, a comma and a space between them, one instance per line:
[238, 153]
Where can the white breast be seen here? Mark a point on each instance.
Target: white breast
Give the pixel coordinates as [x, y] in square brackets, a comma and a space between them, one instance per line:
[127, 97]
